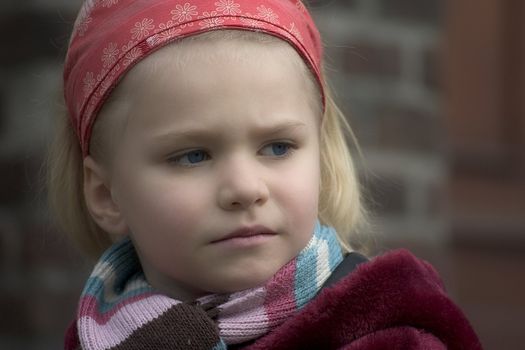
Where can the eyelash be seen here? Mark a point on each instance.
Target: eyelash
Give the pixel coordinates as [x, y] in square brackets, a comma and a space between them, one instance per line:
[290, 148]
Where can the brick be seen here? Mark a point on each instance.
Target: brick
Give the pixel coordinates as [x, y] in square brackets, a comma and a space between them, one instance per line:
[13, 177]
[436, 197]
[35, 35]
[359, 115]
[349, 4]
[372, 59]
[323, 3]
[3, 115]
[21, 178]
[10, 246]
[406, 128]
[423, 11]
[14, 310]
[61, 305]
[385, 195]
[42, 246]
[432, 69]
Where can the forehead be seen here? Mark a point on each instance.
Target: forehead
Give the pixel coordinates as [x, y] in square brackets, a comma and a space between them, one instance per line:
[212, 78]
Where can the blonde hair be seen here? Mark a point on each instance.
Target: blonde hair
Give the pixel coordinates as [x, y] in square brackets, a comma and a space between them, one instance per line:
[340, 202]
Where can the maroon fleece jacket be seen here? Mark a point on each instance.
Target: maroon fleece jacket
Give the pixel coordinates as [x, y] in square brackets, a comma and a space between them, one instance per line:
[394, 302]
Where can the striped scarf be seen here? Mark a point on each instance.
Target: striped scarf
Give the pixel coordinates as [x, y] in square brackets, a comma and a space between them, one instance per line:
[120, 310]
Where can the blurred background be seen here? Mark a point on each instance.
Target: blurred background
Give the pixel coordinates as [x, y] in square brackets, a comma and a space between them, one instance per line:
[435, 92]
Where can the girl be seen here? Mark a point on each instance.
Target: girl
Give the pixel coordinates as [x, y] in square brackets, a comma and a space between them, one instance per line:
[206, 158]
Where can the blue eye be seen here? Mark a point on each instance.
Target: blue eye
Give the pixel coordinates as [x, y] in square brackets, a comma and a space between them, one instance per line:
[190, 158]
[276, 149]
[196, 156]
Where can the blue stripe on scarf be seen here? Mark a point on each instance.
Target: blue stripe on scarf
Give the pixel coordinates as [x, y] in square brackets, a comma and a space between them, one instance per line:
[305, 284]
[221, 345]
[104, 305]
[334, 248]
[305, 278]
[120, 258]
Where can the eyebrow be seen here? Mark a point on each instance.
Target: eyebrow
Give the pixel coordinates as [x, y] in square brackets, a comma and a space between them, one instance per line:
[203, 133]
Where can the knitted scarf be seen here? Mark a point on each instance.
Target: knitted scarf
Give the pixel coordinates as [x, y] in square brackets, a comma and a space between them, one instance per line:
[119, 310]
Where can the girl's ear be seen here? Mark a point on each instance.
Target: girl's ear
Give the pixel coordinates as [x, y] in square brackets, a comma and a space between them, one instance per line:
[99, 200]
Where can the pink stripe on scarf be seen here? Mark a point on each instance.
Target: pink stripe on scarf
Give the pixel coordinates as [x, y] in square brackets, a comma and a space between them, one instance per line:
[280, 298]
[243, 316]
[122, 323]
[89, 307]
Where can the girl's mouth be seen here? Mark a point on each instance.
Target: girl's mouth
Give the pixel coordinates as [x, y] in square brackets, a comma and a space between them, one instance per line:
[246, 236]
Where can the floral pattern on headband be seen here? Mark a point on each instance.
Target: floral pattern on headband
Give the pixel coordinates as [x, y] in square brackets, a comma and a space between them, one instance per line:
[109, 36]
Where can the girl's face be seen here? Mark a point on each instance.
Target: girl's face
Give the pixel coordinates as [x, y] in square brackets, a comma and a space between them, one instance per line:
[217, 171]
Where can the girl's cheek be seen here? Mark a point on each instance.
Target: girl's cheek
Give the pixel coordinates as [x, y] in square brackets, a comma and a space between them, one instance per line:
[185, 203]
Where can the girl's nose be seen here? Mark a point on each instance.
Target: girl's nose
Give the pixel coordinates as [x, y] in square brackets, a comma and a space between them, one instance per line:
[242, 187]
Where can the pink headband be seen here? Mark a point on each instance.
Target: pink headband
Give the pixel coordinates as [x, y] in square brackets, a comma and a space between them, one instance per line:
[110, 36]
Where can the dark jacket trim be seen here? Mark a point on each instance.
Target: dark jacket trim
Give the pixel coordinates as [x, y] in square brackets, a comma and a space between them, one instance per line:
[345, 268]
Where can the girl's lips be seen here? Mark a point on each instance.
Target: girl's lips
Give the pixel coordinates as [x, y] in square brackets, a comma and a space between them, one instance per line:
[251, 233]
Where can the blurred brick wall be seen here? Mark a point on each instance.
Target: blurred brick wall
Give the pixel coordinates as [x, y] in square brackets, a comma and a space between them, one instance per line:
[384, 55]
[383, 61]
[41, 275]
[484, 86]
